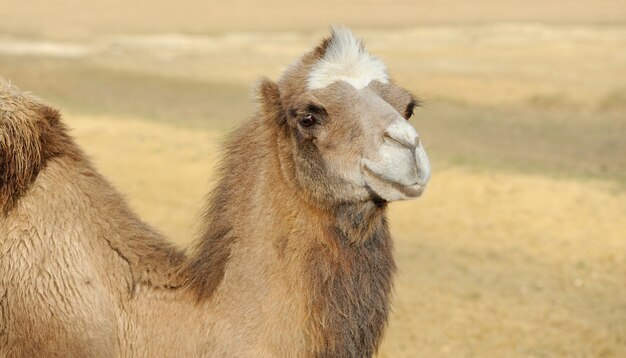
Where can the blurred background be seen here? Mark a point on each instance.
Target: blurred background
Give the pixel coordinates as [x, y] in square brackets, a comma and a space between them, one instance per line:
[517, 249]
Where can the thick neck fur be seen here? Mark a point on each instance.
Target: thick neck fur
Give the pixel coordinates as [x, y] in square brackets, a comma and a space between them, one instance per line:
[338, 255]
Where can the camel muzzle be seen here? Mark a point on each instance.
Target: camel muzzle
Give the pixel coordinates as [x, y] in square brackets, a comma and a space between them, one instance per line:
[401, 168]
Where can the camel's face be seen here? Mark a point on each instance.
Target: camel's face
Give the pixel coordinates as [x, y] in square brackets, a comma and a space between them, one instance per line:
[351, 125]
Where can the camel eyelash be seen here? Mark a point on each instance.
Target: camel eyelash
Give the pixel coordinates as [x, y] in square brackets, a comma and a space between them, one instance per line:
[315, 109]
[309, 108]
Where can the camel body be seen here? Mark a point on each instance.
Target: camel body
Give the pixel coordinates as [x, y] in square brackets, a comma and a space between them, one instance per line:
[73, 286]
[295, 259]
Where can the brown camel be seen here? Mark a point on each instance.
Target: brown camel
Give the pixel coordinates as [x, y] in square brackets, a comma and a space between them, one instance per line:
[295, 259]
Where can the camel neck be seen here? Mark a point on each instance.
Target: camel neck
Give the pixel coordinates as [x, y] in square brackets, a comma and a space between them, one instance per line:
[342, 253]
[332, 263]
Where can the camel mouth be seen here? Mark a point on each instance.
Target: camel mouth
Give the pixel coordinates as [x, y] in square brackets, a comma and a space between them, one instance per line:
[390, 190]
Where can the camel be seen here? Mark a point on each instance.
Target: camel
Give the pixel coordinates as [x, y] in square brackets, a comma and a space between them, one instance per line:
[295, 258]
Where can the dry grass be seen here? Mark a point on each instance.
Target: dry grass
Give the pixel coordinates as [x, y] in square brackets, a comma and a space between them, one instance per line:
[518, 247]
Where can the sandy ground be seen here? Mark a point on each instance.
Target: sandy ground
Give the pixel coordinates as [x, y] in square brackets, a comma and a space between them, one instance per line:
[518, 248]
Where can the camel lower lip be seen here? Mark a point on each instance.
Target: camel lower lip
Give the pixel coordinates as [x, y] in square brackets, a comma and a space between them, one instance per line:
[411, 191]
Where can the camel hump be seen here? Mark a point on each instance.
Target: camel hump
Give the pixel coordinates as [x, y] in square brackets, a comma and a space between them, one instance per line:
[31, 133]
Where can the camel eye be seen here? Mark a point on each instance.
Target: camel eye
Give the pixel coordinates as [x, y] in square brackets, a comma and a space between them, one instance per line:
[408, 112]
[307, 120]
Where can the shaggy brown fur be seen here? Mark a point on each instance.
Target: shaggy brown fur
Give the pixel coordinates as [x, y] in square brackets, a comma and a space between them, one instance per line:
[31, 135]
[295, 259]
[56, 210]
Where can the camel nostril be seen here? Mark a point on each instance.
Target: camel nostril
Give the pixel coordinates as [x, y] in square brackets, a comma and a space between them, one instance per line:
[387, 137]
[403, 140]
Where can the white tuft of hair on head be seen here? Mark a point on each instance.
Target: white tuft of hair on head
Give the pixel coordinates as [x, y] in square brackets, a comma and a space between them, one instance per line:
[346, 60]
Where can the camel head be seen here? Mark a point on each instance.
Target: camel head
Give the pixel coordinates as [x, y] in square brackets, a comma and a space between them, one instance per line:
[344, 125]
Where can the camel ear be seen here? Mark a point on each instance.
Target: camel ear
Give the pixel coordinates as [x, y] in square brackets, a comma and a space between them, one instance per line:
[268, 97]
